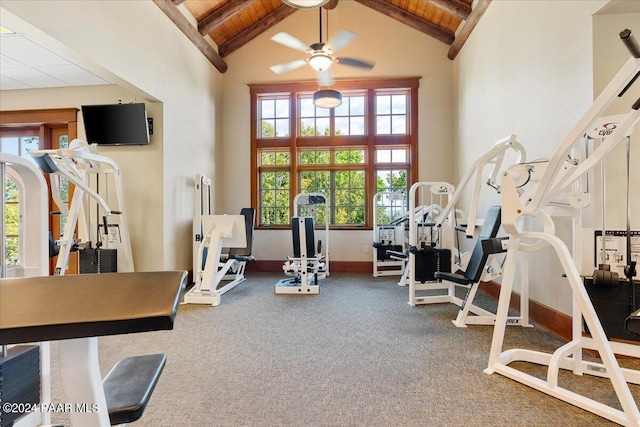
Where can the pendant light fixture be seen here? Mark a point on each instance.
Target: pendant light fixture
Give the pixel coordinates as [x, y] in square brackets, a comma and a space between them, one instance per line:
[327, 98]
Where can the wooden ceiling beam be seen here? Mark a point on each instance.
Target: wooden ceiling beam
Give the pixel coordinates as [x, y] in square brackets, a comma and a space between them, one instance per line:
[255, 30]
[407, 18]
[177, 2]
[218, 16]
[454, 7]
[171, 10]
[478, 10]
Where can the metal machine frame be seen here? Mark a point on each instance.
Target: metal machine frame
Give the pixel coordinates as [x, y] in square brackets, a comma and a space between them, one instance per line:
[555, 182]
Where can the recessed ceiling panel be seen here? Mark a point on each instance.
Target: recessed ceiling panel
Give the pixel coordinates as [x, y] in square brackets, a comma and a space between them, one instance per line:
[23, 50]
[73, 75]
[7, 83]
[32, 77]
[6, 62]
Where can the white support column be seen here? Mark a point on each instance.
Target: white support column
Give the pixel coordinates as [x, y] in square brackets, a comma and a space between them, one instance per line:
[82, 382]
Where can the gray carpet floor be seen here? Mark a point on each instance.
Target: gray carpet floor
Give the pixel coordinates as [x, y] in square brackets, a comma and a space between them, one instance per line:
[355, 355]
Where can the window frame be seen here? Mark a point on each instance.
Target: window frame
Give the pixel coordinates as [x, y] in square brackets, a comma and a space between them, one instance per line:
[369, 141]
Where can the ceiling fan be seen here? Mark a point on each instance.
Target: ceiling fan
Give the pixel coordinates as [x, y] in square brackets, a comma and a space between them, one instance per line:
[320, 55]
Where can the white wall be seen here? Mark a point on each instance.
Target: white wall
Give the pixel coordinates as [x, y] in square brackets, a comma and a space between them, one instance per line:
[528, 69]
[397, 51]
[136, 46]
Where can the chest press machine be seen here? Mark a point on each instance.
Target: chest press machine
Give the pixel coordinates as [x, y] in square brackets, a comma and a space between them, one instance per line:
[537, 201]
[80, 164]
[479, 264]
[308, 265]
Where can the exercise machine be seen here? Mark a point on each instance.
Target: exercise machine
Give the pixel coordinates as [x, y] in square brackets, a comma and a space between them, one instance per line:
[310, 262]
[537, 200]
[217, 274]
[388, 232]
[478, 265]
[429, 246]
[77, 309]
[82, 166]
[31, 383]
[611, 290]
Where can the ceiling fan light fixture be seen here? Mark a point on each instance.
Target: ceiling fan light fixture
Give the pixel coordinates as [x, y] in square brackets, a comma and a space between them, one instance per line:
[320, 61]
[305, 4]
[327, 98]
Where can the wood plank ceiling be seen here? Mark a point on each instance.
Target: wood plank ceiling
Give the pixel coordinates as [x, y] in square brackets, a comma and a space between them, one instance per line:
[233, 23]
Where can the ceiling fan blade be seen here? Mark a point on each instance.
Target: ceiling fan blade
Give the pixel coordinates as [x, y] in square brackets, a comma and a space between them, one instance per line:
[290, 41]
[352, 62]
[341, 39]
[288, 66]
[325, 78]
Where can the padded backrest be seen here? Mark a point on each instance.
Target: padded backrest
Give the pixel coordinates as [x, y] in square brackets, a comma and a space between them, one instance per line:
[478, 257]
[308, 233]
[249, 219]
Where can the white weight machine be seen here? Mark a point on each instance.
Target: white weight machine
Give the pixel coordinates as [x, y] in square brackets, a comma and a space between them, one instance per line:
[431, 244]
[477, 265]
[309, 263]
[81, 165]
[222, 246]
[537, 200]
[388, 234]
[219, 275]
[33, 261]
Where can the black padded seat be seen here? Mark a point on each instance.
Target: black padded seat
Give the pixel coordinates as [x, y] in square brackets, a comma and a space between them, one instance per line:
[478, 259]
[53, 308]
[129, 385]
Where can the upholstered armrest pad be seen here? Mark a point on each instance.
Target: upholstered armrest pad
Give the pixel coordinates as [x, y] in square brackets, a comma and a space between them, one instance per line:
[85, 305]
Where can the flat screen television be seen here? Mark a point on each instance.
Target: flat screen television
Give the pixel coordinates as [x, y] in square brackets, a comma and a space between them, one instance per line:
[116, 124]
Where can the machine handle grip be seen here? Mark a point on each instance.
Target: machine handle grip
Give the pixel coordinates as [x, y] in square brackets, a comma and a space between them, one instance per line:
[630, 42]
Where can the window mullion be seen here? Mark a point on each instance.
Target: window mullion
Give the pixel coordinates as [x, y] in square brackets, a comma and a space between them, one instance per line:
[332, 192]
[293, 150]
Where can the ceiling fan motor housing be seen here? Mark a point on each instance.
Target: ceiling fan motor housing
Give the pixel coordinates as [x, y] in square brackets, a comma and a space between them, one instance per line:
[320, 60]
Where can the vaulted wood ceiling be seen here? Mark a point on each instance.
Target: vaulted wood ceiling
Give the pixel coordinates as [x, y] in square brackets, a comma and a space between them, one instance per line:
[233, 23]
